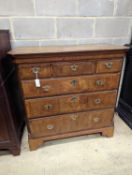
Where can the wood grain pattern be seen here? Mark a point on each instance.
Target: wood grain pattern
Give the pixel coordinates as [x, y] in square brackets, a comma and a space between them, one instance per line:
[70, 103]
[56, 69]
[68, 69]
[73, 68]
[71, 122]
[58, 86]
[109, 66]
[27, 71]
[66, 57]
[78, 90]
[65, 49]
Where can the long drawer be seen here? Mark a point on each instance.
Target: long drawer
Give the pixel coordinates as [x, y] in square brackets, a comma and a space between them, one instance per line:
[58, 86]
[71, 122]
[69, 103]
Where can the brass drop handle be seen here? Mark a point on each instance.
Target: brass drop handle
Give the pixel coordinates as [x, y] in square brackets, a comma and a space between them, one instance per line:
[50, 126]
[74, 117]
[48, 106]
[35, 70]
[46, 88]
[74, 99]
[96, 119]
[74, 83]
[109, 65]
[100, 83]
[74, 67]
[97, 101]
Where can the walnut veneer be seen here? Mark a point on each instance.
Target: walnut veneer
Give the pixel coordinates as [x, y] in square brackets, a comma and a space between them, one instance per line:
[77, 92]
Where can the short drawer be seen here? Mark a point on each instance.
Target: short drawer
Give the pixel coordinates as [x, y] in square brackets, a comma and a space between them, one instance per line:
[69, 103]
[109, 66]
[29, 71]
[73, 68]
[71, 122]
[58, 86]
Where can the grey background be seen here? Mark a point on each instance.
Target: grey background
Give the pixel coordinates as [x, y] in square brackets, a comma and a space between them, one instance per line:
[66, 22]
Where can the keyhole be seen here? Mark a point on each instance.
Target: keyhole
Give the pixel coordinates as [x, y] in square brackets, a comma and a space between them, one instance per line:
[74, 83]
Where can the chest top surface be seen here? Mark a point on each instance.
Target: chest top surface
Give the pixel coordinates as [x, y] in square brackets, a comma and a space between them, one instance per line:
[65, 53]
[65, 49]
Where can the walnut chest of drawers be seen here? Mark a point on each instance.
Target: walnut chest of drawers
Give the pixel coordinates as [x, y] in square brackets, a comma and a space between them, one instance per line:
[68, 91]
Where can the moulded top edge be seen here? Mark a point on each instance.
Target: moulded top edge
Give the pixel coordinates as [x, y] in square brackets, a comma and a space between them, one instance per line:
[65, 49]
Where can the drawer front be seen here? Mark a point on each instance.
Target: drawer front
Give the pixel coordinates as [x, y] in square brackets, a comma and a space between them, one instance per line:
[44, 106]
[83, 102]
[74, 68]
[70, 103]
[29, 71]
[102, 100]
[78, 84]
[109, 66]
[71, 122]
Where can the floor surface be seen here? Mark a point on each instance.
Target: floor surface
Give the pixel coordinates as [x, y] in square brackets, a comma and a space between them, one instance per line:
[87, 155]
